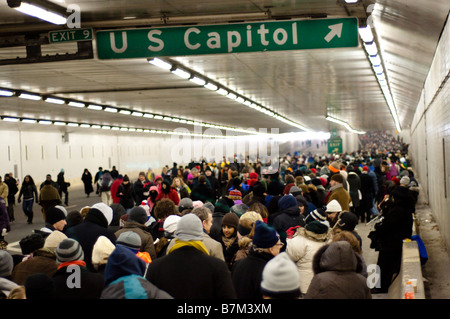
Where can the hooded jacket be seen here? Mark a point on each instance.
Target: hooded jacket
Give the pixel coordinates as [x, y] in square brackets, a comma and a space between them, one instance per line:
[87, 233]
[301, 249]
[338, 274]
[124, 277]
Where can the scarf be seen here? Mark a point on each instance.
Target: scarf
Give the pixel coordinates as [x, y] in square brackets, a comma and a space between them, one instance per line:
[228, 241]
[74, 262]
[197, 244]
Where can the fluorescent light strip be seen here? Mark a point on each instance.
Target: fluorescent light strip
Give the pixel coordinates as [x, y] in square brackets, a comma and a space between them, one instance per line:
[340, 122]
[54, 100]
[11, 119]
[95, 107]
[28, 96]
[181, 73]
[160, 63]
[111, 109]
[7, 93]
[76, 104]
[41, 13]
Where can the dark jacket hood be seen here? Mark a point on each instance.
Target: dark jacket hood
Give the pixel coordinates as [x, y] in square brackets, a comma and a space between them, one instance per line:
[123, 262]
[337, 256]
[96, 216]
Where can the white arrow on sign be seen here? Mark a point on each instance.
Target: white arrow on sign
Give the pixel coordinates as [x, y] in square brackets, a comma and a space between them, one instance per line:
[336, 29]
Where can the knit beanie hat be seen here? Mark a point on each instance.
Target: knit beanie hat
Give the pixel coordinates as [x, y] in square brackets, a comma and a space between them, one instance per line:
[246, 222]
[31, 243]
[405, 180]
[286, 202]
[185, 203]
[69, 250]
[280, 278]
[129, 239]
[197, 203]
[334, 167]
[235, 195]
[333, 206]
[138, 215]
[317, 227]
[347, 221]
[337, 178]
[106, 211]
[54, 215]
[103, 247]
[231, 220]
[52, 241]
[295, 190]
[170, 223]
[265, 236]
[6, 263]
[317, 214]
[189, 228]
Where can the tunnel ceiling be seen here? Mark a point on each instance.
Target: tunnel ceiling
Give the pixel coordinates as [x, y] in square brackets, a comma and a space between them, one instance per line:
[303, 86]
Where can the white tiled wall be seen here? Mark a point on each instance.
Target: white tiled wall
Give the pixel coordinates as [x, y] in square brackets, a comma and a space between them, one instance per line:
[430, 132]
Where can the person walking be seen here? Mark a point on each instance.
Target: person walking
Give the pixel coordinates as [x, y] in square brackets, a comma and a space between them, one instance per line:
[63, 187]
[12, 191]
[29, 193]
[87, 181]
[126, 194]
[48, 197]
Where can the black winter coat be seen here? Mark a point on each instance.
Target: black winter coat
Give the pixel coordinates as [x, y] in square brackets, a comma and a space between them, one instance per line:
[286, 219]
[247, 274]
[398, 221]
[87, 233]
[187, 273]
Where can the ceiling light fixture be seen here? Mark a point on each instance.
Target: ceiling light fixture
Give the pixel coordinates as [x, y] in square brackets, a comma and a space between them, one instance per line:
[340, 122]
[37, 12]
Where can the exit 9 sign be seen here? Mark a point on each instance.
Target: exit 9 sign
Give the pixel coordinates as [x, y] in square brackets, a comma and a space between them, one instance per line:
[70, 35]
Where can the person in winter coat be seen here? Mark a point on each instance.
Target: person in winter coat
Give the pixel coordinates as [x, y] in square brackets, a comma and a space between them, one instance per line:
[182, 189]
[29, 193]
[4, 190]
[151, 200]
[338, 192]
[136, 223]
[87, 181]
[55, 219]
[167, 191]
[89, 285]
[288, 216]
[95, 224]
[101, 251]
[247, 273]
[126, 194]
[246, 231]
[337, 274]
[164, 208]
[114, 187]
[12, 191]
[368, 195]
[202, 191]
[42, 260]
[6, 268]
[221, 208]
[302, 247]
[141, 188]
[48, 197]
[5, 225]
[203, 277]
[229, 238]
[63, 187]
[394, 228]
[124, 278]
[354, 183]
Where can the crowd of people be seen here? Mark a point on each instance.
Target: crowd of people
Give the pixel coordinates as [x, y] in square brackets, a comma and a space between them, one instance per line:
[217, 231]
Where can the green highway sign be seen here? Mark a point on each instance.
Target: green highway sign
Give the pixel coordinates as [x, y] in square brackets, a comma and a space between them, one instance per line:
[70, 35]
[335, 145]
[228, 38]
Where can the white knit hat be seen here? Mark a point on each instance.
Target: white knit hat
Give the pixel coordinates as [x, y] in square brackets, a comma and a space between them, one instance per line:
[170, 223]
[103, 247]
[333, 206]
[280, 277]
[52, 241]
[106, 211]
